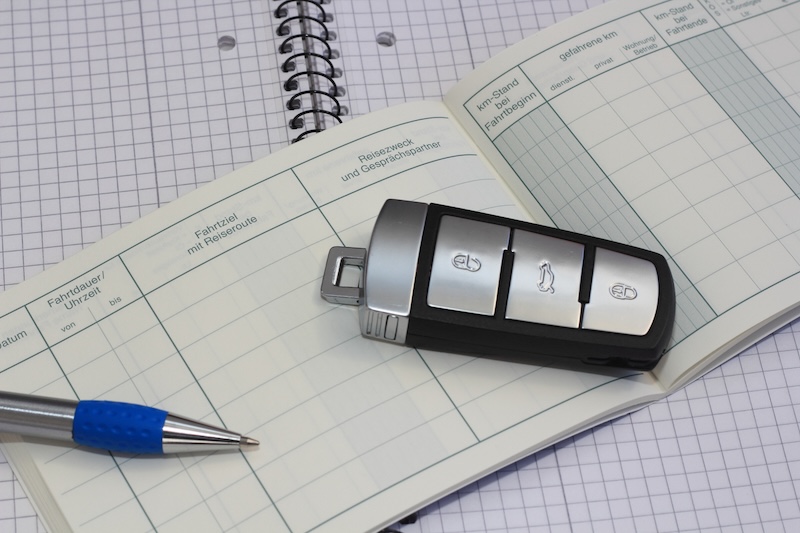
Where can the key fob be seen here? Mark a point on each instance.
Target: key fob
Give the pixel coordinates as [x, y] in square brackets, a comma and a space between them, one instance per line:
[454, 280]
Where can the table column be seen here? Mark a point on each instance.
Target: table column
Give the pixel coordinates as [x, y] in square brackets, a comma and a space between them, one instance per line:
[26, 365]
[220, 285]
[93, 342]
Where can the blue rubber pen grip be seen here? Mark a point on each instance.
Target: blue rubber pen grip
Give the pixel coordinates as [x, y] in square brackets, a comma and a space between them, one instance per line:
[118, 427]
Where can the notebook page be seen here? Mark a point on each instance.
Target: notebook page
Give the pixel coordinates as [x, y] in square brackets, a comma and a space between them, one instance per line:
[210, 308]
[674, 133]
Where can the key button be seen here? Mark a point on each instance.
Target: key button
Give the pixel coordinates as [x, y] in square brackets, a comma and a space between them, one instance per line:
[545, 280]
[465, 274]
[624, 294]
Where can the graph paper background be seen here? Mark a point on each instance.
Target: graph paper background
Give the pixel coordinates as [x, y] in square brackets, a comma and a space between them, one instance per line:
[111, 109]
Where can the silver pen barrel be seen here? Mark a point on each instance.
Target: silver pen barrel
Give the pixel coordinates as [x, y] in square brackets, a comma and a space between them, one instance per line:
[36, 416]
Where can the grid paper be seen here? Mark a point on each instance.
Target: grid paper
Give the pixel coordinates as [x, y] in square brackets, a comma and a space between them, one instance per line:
[111, 109]
[438, 42]
[176, 186]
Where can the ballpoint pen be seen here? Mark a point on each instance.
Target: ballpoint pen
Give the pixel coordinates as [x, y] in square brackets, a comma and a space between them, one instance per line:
[113, 426]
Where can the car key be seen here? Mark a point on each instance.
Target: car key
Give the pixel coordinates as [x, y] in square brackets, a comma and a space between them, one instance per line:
[455, 280]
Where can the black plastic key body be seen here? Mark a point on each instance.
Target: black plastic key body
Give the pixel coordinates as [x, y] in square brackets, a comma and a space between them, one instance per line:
[455, 280]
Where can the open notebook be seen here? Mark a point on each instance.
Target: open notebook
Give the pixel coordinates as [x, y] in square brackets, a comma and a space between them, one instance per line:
[210, 306]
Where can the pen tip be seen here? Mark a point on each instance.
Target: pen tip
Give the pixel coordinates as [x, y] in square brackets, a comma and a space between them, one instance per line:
[248, 442]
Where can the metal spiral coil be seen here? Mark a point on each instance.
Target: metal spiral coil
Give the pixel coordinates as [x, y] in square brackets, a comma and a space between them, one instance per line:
[322, 90]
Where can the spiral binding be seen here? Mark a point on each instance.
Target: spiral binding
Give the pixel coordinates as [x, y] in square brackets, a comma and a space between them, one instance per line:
[313, 80]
